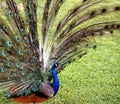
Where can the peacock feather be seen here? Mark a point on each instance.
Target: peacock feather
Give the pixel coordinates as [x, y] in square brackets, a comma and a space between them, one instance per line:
[33, 41]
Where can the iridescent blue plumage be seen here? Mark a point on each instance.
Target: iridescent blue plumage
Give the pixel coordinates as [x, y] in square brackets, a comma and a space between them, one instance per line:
[55, 84]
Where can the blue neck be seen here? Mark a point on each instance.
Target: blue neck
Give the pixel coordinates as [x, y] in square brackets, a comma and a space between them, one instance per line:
[55, 84]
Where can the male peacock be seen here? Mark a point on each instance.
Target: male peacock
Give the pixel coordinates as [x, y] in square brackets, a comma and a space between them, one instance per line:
[27, 63]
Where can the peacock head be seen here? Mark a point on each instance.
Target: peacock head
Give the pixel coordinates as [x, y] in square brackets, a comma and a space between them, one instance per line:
[55, 65]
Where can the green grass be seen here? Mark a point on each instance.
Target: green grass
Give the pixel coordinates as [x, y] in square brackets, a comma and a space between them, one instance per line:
[93, 79]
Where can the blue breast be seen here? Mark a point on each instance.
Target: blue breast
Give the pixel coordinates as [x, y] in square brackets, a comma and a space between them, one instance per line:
[55, 84]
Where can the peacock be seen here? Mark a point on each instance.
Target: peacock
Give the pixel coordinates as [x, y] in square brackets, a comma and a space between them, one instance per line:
[35, 46]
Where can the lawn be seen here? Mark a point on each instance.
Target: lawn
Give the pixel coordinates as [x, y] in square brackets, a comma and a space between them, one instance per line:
[93, 79]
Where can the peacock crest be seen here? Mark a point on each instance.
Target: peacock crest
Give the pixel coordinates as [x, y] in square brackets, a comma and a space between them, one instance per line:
[32, 42]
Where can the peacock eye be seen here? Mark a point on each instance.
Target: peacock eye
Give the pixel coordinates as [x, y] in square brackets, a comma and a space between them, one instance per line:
[10, 63]
[17, 65]
[30, 3]
[26, 40]
[4, 28]
[4, 53]
[16, 73]
[16, 16]
[22, 21]
[17, 39]
[23, 72]
[20, 52]
[22, 31]
[9, 43]
[10, 14]
[2, 69]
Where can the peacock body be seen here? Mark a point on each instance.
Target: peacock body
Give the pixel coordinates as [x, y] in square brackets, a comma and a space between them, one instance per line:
[31, 47]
